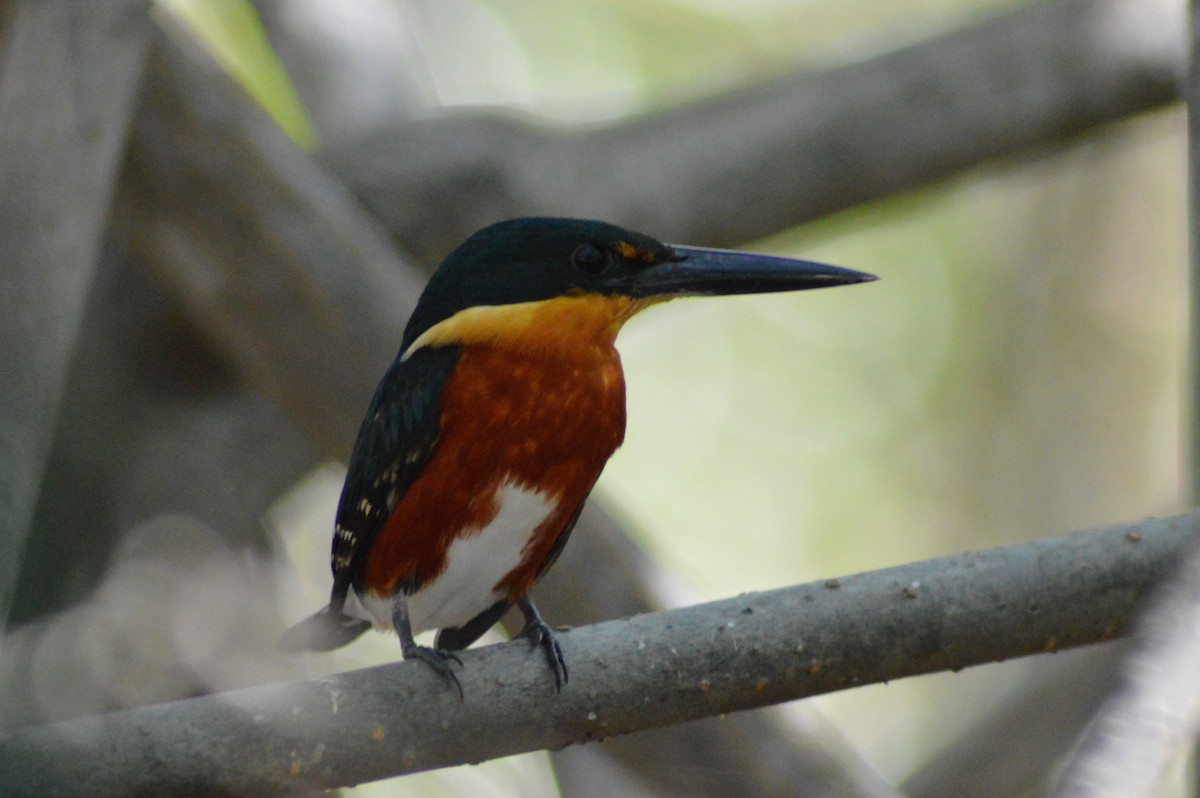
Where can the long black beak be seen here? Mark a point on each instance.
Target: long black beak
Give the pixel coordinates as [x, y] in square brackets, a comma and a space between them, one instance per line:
[696, 271]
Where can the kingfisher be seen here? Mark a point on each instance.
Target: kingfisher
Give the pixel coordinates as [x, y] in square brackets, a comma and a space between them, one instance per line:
[490, 428]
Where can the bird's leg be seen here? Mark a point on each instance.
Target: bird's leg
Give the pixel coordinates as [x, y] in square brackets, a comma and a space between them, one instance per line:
[540, 635]
[438, 660]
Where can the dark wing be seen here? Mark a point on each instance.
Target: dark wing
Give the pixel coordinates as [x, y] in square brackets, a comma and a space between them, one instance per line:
[396, 438]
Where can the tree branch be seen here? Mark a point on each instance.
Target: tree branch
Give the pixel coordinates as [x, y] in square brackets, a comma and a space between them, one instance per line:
[644, 672]
[762, 159]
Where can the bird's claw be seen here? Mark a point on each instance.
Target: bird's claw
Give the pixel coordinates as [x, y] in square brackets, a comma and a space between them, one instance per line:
[439, 661]
[539, 634]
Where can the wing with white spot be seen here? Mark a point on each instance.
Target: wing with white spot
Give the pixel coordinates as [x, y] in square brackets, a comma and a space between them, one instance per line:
[396, 438]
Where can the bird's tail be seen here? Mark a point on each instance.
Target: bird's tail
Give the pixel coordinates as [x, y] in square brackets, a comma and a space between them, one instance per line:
[323, 631]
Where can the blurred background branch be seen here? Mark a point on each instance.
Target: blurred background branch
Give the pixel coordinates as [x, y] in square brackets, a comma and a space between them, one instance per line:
[767, 157]
[69, 75]
[1152, 719]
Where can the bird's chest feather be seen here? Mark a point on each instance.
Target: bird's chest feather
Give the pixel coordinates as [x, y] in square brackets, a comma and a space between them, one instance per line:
[523, 438]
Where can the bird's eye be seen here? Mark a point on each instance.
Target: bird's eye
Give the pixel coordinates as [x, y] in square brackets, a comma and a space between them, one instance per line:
[588, 259]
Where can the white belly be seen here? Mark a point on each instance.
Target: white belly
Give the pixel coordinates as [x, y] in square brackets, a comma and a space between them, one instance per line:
[474, 565]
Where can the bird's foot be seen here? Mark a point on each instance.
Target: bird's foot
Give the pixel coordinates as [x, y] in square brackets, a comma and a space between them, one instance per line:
[539, 634]
[438, 660]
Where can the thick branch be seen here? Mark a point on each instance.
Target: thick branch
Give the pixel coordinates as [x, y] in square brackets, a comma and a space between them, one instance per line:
[645, 672]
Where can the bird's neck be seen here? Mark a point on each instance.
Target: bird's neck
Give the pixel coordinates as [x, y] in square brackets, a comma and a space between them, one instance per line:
[566, 327]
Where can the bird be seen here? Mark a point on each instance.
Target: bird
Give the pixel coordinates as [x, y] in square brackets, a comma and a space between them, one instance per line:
[489, 430]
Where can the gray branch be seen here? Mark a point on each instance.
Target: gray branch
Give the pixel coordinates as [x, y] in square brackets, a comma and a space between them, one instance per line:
[644, 672]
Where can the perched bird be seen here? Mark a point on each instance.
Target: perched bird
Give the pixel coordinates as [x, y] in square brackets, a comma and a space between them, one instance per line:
[489, 430]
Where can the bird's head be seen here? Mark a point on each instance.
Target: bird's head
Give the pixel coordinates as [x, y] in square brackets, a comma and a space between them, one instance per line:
[547, 280]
